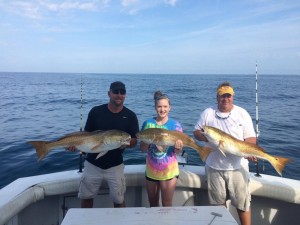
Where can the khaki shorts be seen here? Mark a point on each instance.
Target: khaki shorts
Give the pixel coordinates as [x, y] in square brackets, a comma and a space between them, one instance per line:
[93, 176]
[229, 184]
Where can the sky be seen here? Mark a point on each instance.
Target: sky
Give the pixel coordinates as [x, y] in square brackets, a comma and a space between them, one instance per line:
[150, 36]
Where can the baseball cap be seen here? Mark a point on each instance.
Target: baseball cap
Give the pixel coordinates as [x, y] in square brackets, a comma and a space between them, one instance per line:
[225, 90]
[117, 85]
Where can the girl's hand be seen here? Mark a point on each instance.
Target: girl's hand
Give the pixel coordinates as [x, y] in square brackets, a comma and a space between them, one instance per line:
[178, 146]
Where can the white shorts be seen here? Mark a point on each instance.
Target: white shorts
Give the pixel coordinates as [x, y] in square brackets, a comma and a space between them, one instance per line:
[93, 176]
[229, 184]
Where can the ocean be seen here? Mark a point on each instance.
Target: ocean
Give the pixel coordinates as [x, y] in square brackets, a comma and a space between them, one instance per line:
[46, 106]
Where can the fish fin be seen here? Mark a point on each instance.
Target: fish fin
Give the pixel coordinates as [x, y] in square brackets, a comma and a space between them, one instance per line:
[41, 148]
[223, 153]
[81, 133]
[279, 163]
[161, 148]
[97, 131]
[77, 133]
[96, 147]
[221, 144]
[101, 154]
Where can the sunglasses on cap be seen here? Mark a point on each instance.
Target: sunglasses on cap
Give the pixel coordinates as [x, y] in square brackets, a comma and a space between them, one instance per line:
[119, 91]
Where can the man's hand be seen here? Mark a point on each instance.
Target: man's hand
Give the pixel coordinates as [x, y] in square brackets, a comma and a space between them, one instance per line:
[251, 158]
[71, 148]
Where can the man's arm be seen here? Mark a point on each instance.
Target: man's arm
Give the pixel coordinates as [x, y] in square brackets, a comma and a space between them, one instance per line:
[133, 143]
[253, 141]
[199, 136]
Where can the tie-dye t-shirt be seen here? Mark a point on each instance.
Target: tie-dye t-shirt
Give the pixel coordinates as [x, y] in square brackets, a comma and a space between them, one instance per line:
[161, 165]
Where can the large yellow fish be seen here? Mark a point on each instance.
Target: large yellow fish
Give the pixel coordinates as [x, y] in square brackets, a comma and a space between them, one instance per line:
[228, 144]
[88, 142]
[164, 137]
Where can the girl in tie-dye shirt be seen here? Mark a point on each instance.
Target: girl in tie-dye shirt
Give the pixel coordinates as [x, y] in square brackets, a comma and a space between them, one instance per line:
[162, 168]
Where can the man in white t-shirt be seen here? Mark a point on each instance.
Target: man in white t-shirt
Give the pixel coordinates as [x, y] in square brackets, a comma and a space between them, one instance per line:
[228, 176]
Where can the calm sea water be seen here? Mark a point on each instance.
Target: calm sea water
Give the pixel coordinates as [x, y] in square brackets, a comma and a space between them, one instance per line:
[46, 106]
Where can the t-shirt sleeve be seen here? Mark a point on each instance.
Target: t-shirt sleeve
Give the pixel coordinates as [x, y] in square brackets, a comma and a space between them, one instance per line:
[249, 129]
[201, 121]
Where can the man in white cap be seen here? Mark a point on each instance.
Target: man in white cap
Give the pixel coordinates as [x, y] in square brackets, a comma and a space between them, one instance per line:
[228, 177]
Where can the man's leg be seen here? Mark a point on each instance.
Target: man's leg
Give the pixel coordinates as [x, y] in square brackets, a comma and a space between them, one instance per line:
[87, 203]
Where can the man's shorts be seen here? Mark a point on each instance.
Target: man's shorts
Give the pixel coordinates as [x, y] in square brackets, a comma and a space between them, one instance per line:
[229, 184]
[93, 176]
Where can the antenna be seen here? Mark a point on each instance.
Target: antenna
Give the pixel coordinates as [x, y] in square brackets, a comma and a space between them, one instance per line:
[257, 119]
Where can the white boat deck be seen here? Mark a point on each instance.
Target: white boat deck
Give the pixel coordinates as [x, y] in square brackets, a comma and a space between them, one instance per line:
[275, 200]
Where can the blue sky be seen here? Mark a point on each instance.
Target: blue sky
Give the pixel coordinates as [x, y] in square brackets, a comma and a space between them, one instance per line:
[150, 36]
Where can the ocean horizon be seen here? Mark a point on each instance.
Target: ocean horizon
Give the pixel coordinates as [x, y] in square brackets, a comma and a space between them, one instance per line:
[143, 74]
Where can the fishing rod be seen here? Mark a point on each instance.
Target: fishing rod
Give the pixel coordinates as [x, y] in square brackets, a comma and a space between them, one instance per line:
[81, 103]
[256, 117]
[81, 126]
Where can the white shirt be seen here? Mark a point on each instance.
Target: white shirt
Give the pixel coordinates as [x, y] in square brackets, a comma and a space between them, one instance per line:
[237, 123]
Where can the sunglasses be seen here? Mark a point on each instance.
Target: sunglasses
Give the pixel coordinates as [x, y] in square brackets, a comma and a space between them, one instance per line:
[163, 96]
[225, 96]
[222, 117]
[119, 91]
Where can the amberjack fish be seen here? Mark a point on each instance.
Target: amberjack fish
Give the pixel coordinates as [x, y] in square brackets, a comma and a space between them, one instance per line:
[228, 144]
[164, 137]
[88, 142]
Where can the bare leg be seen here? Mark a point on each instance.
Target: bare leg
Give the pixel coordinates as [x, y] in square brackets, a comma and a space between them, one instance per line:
[167, 191]
[87, 203]
[153, 193]
[122, 205]
[245, 217]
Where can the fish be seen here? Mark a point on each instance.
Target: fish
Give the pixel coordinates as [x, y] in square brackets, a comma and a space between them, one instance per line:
[228, 144]
[89, 142]
[163, 137]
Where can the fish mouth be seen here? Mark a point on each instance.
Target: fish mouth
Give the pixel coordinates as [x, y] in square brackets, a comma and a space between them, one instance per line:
[127, 141]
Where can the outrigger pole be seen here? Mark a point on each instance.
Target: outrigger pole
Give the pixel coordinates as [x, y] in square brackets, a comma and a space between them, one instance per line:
[257, 119]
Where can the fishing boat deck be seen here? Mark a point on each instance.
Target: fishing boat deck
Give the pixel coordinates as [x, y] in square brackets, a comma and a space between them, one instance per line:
[275, 200]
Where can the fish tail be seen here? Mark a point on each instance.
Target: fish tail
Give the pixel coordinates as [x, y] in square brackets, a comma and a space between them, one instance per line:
[203, 151]
[279, 163]
[40, 147]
